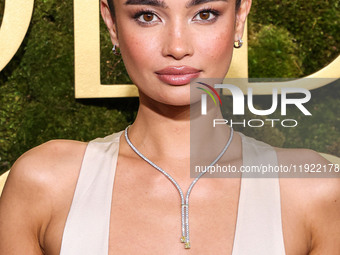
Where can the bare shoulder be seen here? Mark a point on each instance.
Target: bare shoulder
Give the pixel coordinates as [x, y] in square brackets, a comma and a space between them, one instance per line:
[299, 156]
[41, 182]
[48, 164]
[318, 184]
[46, 170]
[317, 196]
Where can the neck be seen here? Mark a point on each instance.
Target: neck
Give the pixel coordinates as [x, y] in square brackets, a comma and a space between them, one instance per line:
[162, 130]
[169, 132]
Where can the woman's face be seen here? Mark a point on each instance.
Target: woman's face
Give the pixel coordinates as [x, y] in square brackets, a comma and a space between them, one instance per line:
[165, 43]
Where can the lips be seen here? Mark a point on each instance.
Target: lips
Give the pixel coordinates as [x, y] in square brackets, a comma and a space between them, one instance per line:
[177, 75]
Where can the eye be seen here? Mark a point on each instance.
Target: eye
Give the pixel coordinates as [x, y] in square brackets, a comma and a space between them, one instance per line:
[206, 15]
[146, 17]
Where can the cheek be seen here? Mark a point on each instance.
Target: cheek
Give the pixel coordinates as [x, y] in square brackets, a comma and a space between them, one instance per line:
[138, 53]
[216, 50]
[218, 47]
[224, 55]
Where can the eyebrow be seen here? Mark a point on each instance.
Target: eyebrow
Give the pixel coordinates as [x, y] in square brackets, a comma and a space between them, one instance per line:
[197, 2]
[159, 3]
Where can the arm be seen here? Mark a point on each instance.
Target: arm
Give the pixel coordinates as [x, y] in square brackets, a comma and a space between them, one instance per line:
[325, 217]
[24, 207]
[37, 196]
[323, 214]
[318, 199]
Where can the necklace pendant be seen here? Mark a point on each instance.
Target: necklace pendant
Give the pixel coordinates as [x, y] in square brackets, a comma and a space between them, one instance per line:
[185, 206]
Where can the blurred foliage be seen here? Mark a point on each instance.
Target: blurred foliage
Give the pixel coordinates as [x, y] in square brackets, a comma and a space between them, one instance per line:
[321, 130]
[287, 39]
[278, 54]
[313, 26]
[37, 90]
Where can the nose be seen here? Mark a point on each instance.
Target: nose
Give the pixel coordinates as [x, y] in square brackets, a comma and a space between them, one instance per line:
[178, 43]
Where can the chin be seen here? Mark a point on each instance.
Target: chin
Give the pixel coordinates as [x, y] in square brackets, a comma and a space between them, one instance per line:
[171, 96]
[178, 100]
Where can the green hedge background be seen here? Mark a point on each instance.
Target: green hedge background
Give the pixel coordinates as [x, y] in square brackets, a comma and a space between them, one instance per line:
[286, 39]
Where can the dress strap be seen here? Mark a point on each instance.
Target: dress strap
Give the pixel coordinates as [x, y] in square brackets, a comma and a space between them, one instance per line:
[88, 224]
[259, 222]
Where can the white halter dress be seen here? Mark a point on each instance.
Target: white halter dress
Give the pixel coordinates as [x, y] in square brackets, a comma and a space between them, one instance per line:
[258, 227]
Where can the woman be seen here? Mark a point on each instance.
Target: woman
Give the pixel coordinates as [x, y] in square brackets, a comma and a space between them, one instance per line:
[48, 206]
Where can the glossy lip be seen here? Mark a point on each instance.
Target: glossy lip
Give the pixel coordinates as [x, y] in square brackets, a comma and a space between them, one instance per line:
[177, 75]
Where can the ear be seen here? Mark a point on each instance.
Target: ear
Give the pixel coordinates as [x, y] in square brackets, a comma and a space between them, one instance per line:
[109, 21]
[241, 17]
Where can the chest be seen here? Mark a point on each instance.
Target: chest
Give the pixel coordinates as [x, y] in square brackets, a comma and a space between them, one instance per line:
[146, 217]
[147, 220]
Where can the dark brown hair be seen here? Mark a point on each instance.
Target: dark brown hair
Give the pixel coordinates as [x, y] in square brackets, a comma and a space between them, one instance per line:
[112, 7]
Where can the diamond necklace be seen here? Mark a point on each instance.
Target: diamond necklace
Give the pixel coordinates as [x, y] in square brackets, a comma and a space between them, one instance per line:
[184, 203]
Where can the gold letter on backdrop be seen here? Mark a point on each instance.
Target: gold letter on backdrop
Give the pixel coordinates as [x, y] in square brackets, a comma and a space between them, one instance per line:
[15, 23]
[87, 55]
